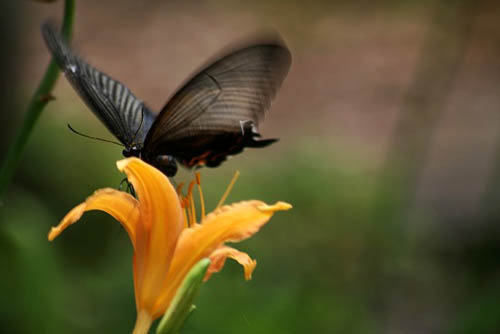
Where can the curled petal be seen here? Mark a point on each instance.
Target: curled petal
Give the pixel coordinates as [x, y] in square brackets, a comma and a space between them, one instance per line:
[123, 207]
[239, 221]
[228, 223]
[219, 256]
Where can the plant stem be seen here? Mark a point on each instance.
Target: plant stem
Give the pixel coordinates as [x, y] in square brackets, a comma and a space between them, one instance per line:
[143, 323]
[38, 102]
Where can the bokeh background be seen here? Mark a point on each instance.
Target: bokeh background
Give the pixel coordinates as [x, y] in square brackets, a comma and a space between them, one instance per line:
[389, 150]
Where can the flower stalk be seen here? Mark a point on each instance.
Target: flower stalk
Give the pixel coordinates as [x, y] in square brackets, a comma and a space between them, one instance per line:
[38, 102]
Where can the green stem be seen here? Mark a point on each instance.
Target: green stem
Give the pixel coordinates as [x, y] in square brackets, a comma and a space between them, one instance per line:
[38, 101]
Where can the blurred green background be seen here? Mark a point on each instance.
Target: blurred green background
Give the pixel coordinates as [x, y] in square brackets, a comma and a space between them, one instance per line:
[389, 151]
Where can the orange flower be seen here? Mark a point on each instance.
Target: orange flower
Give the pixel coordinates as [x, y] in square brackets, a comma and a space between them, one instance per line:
[168, 242]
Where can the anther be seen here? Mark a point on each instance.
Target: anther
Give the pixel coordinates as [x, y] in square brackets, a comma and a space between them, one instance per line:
[202, 200]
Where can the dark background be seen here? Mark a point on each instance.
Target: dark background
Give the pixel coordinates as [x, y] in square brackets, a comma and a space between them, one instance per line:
[390, 153]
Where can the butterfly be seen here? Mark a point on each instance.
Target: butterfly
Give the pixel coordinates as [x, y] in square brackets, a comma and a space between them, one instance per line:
[215, 114]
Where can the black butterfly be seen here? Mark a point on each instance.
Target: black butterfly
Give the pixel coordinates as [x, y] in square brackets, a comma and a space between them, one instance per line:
[215, 114]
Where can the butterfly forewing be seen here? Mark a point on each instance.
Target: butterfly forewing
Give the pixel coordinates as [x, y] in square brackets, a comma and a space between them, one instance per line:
[237, 88]
[114, 104]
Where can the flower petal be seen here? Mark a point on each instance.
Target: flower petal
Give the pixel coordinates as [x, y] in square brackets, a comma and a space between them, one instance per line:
[219, 256]
[123, 207]
[157, 232]
[228, 223]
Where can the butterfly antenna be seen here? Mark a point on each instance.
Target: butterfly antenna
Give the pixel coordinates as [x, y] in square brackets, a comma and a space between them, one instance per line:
[96, 138]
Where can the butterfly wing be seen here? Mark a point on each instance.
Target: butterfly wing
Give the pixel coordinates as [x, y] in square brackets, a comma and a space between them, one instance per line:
[122, 113]
[217, 112]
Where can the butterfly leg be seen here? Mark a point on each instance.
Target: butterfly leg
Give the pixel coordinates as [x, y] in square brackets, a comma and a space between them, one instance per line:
[130, 188]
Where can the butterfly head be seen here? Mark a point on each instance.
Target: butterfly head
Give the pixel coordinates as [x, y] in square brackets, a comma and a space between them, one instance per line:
[132, 151]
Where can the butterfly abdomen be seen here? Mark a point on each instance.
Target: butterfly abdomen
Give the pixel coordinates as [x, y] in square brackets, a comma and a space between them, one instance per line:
[213, 149]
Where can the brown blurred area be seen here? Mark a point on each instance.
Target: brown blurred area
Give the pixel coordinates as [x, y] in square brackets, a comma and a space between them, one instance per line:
[353, 66]
[348, 73]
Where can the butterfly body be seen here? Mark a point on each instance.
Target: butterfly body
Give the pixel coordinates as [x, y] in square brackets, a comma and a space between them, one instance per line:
[214, 115]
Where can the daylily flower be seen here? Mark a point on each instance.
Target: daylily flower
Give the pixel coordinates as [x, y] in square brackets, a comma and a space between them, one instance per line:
[166, 238]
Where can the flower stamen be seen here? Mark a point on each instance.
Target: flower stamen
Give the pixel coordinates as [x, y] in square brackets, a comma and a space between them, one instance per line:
[193, 210]
[190, 204]
[184, 214]
[202, 200]
[184, 203]
[179, 190]
[228, 190]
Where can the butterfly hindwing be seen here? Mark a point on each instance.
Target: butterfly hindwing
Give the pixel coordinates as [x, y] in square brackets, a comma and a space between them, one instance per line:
[212, 149]
[122, 113]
